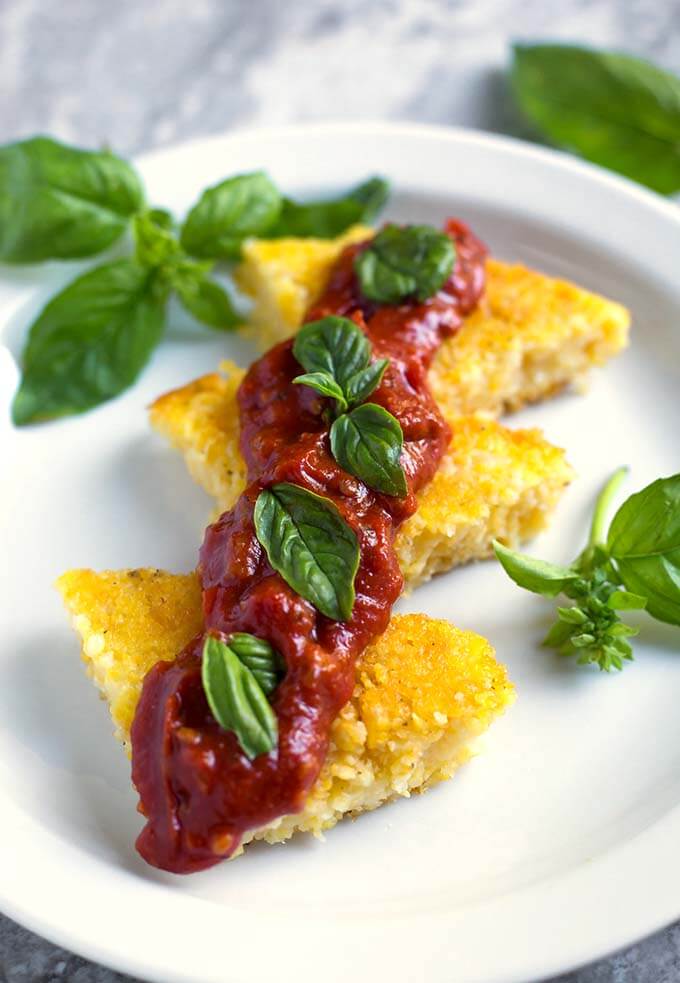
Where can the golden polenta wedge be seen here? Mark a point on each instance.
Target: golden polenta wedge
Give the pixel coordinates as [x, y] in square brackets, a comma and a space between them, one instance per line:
[425, 690]
[493, 483]
[530, 336]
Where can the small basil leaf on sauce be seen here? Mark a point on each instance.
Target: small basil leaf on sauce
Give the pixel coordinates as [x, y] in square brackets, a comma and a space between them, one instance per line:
[91, 341]
[367, 442]
[405, 261]
[310, 545]
[324, 384]
[532, 574]
[644, 543]
[360, 386]
[330, 218]
[227, 213]
[236, 698]
[613, 109]
[59, 202]
[260, 657]
[204, 298]
[333, 345]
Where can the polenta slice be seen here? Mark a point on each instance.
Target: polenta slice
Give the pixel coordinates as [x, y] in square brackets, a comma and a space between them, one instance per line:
[493, 483]
[530, 336]
[424, 692]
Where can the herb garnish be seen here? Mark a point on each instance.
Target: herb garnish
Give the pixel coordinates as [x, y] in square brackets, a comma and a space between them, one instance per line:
[57, 202]
[405, 261]
[310, 545]
[635, 565]
[229, 212]
[93, 339]
[237, 675]
[613, 109]
[328, 219]
[366, 441]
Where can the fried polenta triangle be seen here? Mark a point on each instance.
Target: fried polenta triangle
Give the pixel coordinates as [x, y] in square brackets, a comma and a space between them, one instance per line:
[425, 690]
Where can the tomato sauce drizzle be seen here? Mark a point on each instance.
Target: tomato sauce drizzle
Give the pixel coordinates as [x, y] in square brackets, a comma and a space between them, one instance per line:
[198, 791]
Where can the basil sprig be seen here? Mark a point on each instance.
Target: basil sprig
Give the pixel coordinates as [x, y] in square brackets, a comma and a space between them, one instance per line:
[92, 340]
[309, 543]
[366, 440]
[613, 109]
[237, 675]
[635, 565]
[405, 261]
[59, 202]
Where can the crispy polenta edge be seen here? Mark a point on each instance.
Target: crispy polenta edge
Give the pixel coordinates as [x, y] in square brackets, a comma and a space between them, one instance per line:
[424, 692]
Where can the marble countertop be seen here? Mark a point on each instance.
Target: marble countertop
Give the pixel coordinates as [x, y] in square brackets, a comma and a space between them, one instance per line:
[137, 75]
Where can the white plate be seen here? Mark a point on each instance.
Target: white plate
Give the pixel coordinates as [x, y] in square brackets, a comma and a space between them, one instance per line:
[557, 845]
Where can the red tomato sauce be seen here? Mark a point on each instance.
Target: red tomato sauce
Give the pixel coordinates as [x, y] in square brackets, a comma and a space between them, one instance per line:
[198, 791]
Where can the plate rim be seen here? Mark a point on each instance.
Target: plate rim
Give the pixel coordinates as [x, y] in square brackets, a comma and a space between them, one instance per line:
[109, 954]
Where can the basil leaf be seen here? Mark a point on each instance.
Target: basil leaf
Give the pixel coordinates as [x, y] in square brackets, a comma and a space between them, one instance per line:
[324, 384]
[572, 615]
[644, 542]
[155, 243]
[256, 654]
[535, 575]
[328, 219]
[409, 261]
[623, 600]
[205, 299]
[558, 635]
[360, 386]
[229, 212]
[90, 342]
[57, 202]
[367, 442]
[236, 698]
[613, 109]
[310, 545]
[333, 345]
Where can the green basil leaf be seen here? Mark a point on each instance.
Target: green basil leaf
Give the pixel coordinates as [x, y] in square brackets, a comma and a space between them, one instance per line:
[155, 243]
[558, 635]
[228, 213]
[333, 345]
[236, 698]
[619, 630]
[613, 109]
[90, 342]
[367, 442]
[360, 386]
[57, 202]
[572, 615]
[324, 384]
[405, 261]
[206, 300]
[256, 654]
[310, 545]
[644, 542]
[328, 219]
[623, 600]
[535, 575]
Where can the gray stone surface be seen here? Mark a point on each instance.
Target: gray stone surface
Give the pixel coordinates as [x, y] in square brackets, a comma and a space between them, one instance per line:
[143, 73]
